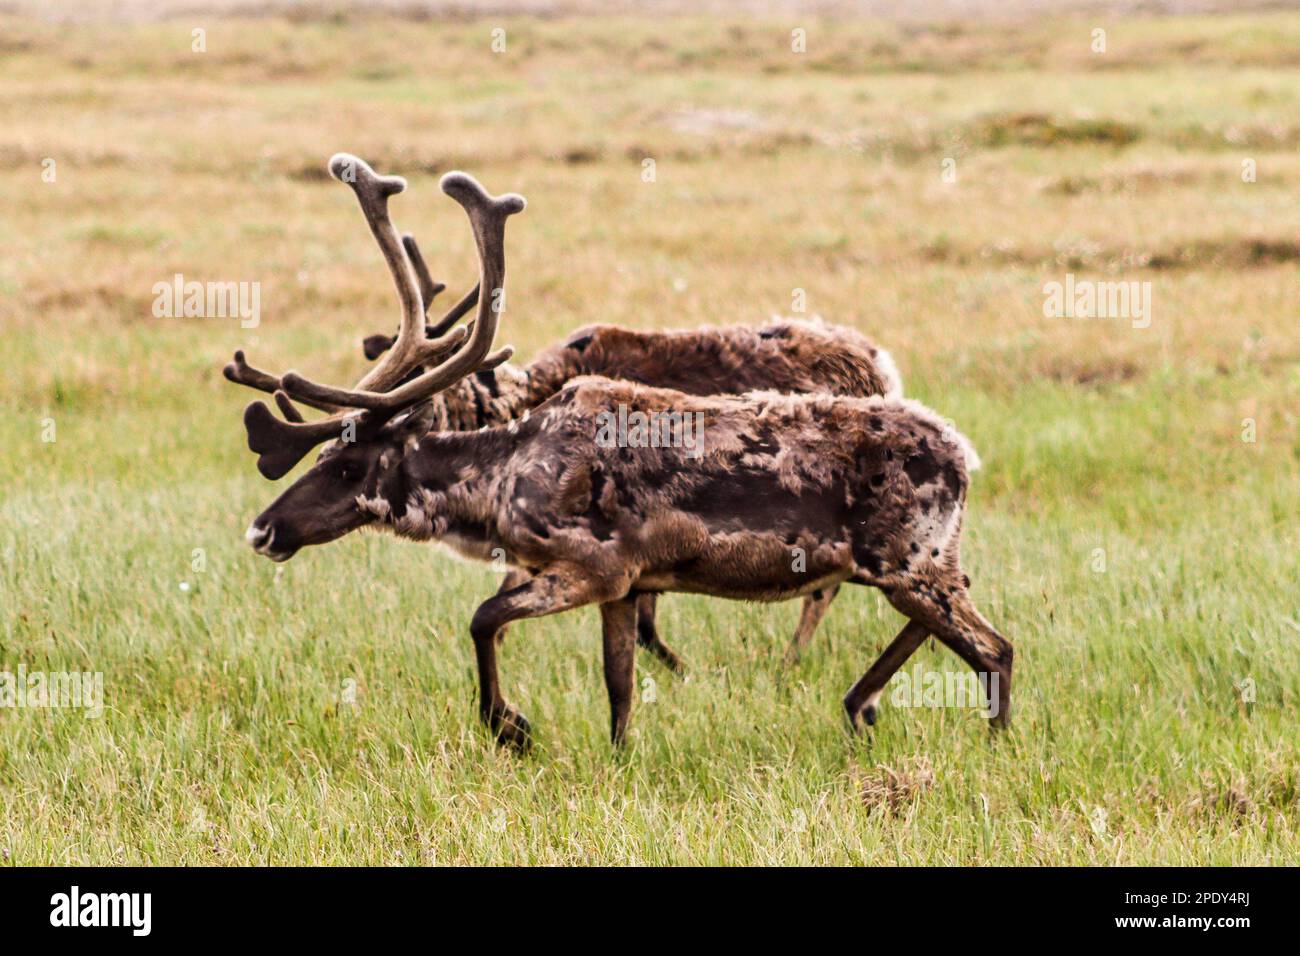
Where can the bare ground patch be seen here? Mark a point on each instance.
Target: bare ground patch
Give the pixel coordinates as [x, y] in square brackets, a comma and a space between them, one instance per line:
[1232, 252]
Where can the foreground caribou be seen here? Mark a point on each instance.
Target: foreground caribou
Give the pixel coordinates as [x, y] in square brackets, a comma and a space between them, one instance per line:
[785, 355]
[786, 495]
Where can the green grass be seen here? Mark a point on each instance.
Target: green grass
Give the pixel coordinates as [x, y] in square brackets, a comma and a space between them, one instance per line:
[324, 711]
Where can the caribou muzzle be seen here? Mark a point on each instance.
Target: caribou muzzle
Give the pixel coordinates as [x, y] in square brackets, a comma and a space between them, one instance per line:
[270, 540]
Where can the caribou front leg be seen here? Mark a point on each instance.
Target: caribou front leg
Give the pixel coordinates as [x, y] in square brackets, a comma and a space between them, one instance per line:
[618, 632]
[514, 577]
[556, 588]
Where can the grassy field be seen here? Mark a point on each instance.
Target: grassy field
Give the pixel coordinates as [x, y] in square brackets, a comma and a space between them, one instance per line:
[1139, 551]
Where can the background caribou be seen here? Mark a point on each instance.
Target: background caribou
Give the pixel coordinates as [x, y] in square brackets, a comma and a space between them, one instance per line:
[787, 355]
[871, 491]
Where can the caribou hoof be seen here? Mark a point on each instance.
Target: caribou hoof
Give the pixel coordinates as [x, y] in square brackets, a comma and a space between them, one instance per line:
[512, 729]
[860, 719]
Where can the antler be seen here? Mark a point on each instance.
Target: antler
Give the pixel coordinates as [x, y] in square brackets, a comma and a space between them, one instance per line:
[487, 216]
[457, 351]
[373, 346]
[429, 289]
[376, 345]
[281, 445]
[240, 372]
[402, 257]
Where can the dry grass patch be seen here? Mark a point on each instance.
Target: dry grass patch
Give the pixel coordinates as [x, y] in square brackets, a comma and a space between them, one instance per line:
[895, 788]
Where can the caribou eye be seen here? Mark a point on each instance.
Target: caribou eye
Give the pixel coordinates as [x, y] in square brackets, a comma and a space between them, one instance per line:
[349, 472]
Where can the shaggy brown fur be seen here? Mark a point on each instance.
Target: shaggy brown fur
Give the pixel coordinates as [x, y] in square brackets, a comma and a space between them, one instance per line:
[792, 494]
[785, 355]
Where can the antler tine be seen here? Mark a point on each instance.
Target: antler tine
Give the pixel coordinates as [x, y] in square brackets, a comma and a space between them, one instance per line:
[241, 373]
[425, 353]
[429, 289]
[499, 357]
[372, 192]
[288, 409]
[454, 314]
[373, 346]
[430, 350]
[487, 216]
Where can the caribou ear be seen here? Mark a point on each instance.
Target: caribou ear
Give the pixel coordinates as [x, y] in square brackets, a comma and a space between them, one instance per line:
[417, 424]
[373, 346]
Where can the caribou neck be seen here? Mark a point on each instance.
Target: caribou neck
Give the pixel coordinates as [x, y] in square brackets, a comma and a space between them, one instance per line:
[447, 488]
[485, 399]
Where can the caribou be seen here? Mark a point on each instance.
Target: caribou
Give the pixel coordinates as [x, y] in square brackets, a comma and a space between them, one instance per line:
[784, 355]
[793, 493]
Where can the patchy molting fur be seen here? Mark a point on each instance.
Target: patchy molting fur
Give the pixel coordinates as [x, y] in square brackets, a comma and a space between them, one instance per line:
[800, 458]
[784, 355]
[864, 490]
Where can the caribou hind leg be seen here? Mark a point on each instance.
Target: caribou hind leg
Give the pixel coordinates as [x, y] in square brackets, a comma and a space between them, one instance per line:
[863, 697]
[647, 634]
[815, 606]
[984, 649]
[942, 605]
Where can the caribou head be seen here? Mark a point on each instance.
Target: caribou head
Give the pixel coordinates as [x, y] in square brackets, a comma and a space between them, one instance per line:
[370, 426]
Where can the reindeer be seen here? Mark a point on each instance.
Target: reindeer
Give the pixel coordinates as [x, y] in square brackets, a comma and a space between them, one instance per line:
[870, 491]
[785, 355]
